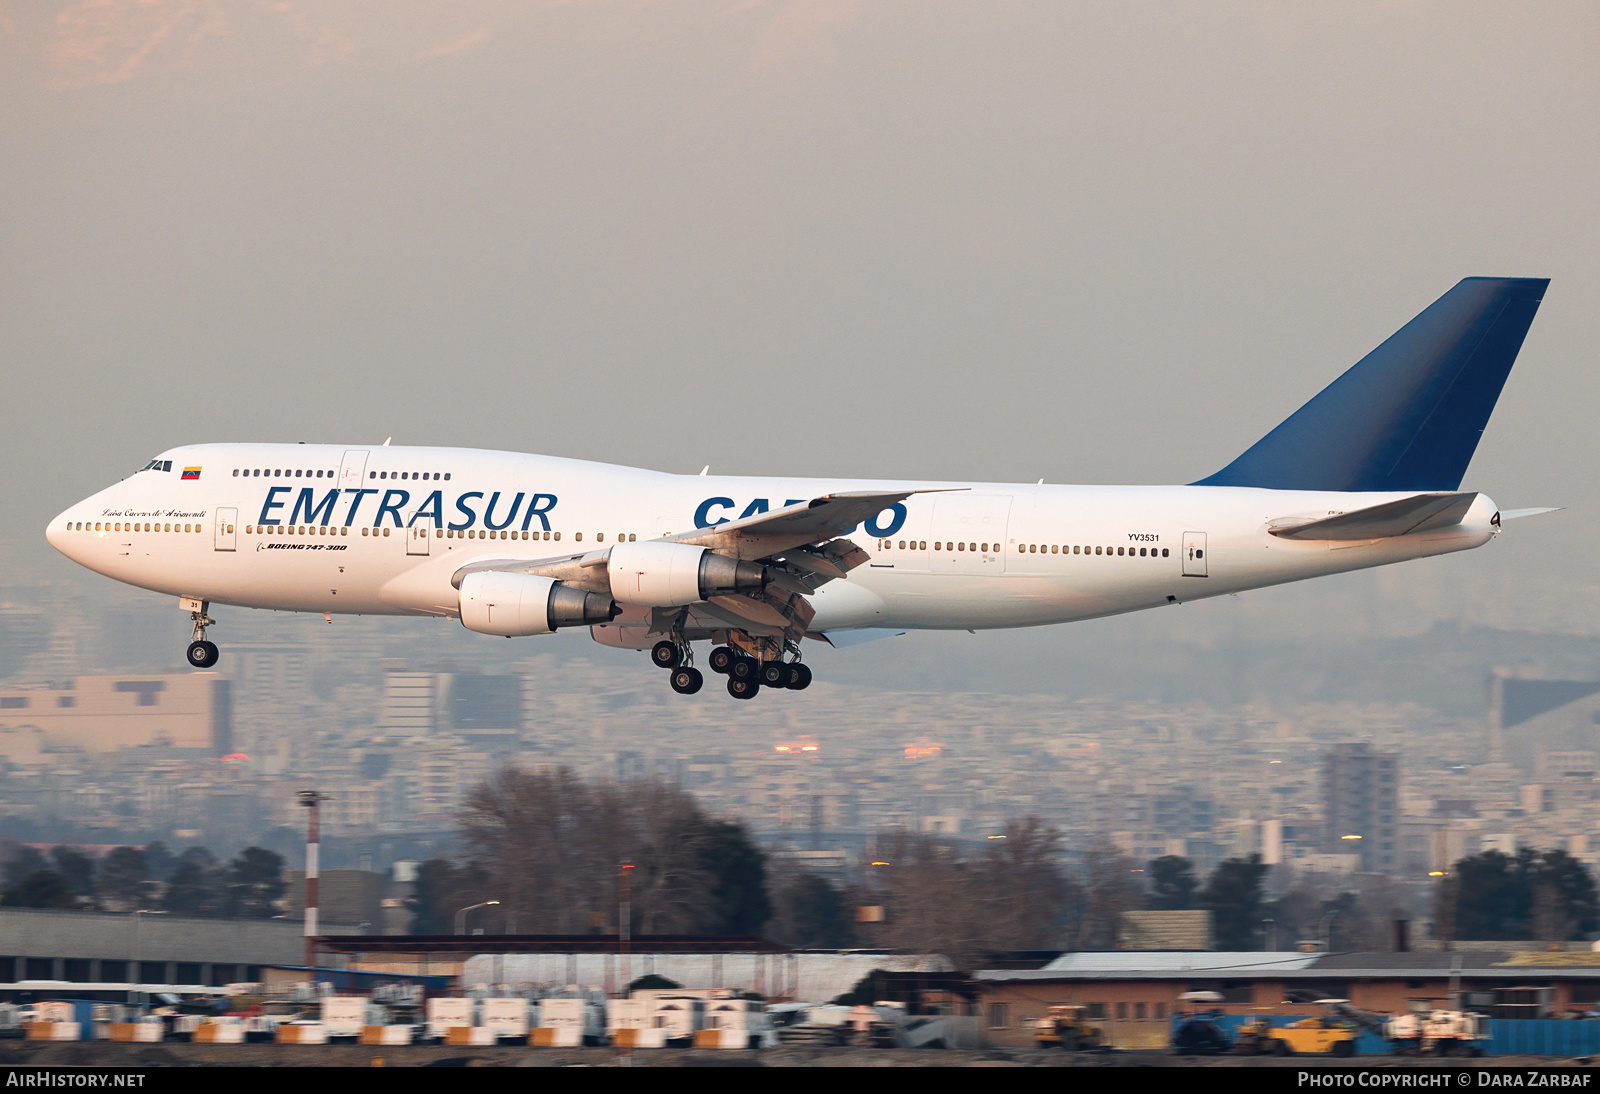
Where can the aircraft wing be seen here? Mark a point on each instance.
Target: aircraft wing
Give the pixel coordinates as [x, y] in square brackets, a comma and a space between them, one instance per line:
[1406, 517]
[799, 546]
[763, 535]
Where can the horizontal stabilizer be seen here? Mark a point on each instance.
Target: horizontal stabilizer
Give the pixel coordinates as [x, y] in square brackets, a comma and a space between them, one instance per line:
[1408, 516]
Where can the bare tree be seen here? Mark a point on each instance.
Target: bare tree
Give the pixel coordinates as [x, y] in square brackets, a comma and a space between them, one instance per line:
[1024, 888]
[554, 845]
[936, 900]
[1107, 888]
[930, 902]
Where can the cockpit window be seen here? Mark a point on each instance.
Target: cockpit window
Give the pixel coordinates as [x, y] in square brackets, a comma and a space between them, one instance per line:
[157, 465]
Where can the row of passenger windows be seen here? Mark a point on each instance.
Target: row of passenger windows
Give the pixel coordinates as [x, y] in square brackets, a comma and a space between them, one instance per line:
[1022, 548]
[282, 473]
[438, 533]
[938, 545]
[1079, 549]
[130, 526]
[301, 473]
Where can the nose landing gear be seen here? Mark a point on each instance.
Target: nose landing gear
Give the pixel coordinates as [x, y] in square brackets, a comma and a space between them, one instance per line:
[201, 654]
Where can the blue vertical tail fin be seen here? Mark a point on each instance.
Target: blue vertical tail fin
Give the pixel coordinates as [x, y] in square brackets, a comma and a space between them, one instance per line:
[1408, 415]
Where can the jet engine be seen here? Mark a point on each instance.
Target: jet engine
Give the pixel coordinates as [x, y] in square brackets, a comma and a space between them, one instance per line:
[668, 575]
[513, 605]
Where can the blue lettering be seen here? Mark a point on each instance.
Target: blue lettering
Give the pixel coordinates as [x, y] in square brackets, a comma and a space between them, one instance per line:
[757, 506]
[390, 505]
[429, 508]
[303, 503]
[881, 530]
[488, 513]
[793, 501]
[702, 515]
[355, 503]
[272, 503]
[461, 505]
[536, 510]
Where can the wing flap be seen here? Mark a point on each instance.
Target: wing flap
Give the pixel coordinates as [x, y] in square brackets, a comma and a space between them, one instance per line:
[1405, 517]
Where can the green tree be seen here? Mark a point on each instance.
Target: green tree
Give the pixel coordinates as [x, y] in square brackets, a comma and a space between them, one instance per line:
[255, 884]
[740, 905]
[40, 889]
[1563, 900]
[159, 861]
[1172, 884]
[122, 878]
[653, 982]
[196, 885]
[1492, 903]
[433, 896]
[812, 914]
[20, 861]
[1233, 896]
[1546, 895]
[76, 867]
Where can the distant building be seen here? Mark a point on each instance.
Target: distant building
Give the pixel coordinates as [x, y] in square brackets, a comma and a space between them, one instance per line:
[486, 709]
[1187, 930]
[1545, 728]
[1361, 806]
[106, 713]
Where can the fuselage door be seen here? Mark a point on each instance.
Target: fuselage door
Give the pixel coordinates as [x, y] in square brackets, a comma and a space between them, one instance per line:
[352, 473]
[1194, 554]
[419, 535]
[225, 536]
[970, 533]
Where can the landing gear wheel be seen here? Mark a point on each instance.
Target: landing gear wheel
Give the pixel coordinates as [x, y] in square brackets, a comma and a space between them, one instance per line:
[799, 677]
[666, 655]
[202, 655]
[720, 659]
[775, 674]
[744, 668]
[743, 687]
[687, 681]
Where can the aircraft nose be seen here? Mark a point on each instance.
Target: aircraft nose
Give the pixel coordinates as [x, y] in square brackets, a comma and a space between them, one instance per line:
[58, 533]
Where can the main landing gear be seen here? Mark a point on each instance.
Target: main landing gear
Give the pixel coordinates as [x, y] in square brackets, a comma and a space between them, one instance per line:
[746, 675]
[686, 679]
[201, 654]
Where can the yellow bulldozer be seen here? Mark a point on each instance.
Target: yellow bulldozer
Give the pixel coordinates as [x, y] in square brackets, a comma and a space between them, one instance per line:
[1067, 1027]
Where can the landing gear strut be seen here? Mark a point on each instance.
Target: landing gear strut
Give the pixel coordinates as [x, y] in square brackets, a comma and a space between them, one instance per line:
[201, 654]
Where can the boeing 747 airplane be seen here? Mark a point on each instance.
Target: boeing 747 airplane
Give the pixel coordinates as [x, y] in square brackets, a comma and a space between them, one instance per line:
[1365, 474]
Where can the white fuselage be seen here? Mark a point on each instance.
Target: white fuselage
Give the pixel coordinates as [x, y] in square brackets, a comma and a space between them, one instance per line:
[381, 530]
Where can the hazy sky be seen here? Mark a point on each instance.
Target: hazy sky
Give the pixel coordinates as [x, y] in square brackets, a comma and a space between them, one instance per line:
[999, 241]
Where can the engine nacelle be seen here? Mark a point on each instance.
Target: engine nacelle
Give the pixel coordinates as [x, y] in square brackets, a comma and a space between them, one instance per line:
[669, 575]
[514, 605]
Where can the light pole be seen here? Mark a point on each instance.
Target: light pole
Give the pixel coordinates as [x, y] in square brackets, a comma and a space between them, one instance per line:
[312, 801]
[461, 916]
